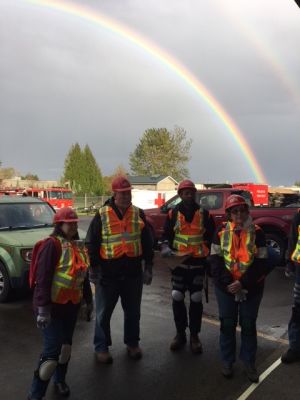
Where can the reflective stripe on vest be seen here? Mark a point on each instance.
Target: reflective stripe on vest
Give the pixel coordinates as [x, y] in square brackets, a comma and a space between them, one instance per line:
[70, 272]
[188, 237]
[296, 253]
[238, 250]
[120, 237]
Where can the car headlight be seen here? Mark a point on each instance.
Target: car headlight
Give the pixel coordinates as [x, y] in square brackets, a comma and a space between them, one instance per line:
[26, 255]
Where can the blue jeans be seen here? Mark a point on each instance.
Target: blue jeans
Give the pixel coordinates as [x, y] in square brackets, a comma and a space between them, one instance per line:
[59, 332]
[294, 324]
[230, 312]
[108, 291]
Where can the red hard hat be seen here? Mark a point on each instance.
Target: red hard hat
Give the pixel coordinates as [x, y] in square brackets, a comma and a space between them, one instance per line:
[186, 184]
[235, 200]
[65, 214]
[120, 184]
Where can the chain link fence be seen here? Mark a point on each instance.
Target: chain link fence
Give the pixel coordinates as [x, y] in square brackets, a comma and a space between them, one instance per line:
[89, 204]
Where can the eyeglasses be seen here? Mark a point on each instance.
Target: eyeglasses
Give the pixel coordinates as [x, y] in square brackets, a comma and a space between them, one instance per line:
[236, 210]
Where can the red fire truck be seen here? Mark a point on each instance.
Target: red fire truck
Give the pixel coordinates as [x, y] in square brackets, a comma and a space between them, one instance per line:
[259, 192]
[58, 197]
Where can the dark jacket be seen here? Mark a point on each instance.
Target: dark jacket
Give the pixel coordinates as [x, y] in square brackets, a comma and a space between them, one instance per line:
[293, 237]
[47, 261]
[189, 213]
[124, 266]
[253, 279]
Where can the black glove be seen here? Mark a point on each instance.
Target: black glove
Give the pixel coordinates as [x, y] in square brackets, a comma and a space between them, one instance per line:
[147, 275]
[89, 311]
[290, 269]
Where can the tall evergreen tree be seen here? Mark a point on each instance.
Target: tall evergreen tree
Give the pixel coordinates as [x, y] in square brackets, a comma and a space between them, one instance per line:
[73, 168]
[92, 181]
[162, 152]
[82, 171]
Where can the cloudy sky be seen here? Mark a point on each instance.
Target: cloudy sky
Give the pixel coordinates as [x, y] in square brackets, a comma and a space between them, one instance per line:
[64, 80]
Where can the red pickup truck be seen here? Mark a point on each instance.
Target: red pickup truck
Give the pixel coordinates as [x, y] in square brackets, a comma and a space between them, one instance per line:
[274, 221]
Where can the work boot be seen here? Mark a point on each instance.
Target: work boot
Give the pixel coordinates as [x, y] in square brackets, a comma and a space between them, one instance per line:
[196, 345]
[251, 373]
[178, 342]
[33, 398]
[227, 371]
[104, 357]
[135, 353]
[62, 388]
[290, 356]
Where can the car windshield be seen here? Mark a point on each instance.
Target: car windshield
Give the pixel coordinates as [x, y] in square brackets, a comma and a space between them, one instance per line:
[67, 195]
[25, 215]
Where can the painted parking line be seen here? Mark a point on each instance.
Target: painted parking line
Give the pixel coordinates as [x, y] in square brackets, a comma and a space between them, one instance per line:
[262, 377]
[259, 334]
[268, 371]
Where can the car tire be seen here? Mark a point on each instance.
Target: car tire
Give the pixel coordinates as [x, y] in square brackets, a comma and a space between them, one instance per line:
[277, 243]
[5, 287]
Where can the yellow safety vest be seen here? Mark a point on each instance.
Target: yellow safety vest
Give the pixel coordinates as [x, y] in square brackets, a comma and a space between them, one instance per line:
[238, 250]
[120, 237]
[70, 272]
[188, 236]
[296, 253]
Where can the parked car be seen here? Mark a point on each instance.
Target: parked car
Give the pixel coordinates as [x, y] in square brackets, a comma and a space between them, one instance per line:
[23, 221]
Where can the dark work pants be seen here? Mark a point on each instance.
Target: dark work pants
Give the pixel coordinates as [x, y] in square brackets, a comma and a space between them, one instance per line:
[108, 291]
[294, 324]
[187, 279]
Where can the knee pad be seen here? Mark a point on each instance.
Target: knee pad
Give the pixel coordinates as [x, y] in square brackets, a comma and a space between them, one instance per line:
[46, 369]
[248, 326]
[196, 297]
[177, 295]
[65, 354]
[228, 326]
[297, 293]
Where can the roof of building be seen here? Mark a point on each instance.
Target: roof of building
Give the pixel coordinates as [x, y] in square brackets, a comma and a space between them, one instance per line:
[148, 180]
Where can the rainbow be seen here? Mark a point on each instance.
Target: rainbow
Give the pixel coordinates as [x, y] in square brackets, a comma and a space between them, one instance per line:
[264, 49]
[116, 27]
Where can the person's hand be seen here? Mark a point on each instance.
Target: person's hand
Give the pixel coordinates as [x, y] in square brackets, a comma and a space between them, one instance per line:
[241, 295]
[147, 275]
[166, 251]
[89, 311]
[43, 320]
[234, 287]
[290, 270]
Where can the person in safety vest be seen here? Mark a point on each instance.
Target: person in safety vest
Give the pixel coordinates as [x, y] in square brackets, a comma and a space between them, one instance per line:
[293, 268]
[188, 231]
[119, 243]
[61, 283]
[239, 264]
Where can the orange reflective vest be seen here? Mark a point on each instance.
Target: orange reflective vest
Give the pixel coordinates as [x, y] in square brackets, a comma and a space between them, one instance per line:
[70, 272]
[238, 250]
[296, 253]
[120, 237]
[188, 236]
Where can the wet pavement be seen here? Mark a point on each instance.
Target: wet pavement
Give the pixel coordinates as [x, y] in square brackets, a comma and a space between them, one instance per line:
[160, 374]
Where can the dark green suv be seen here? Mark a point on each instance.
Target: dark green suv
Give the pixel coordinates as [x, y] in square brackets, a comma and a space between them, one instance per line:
[23, 221]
